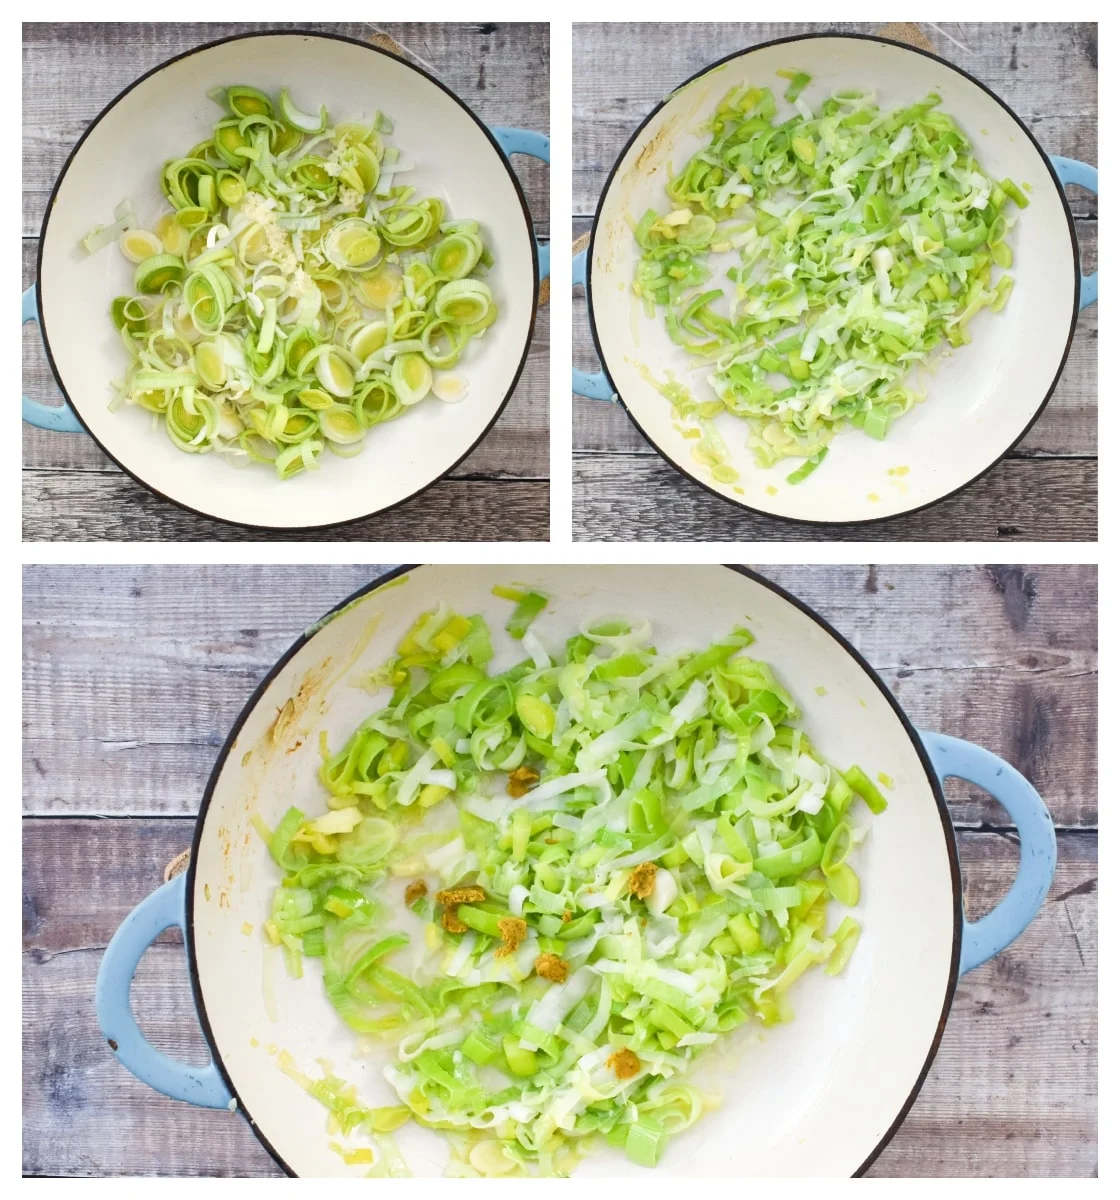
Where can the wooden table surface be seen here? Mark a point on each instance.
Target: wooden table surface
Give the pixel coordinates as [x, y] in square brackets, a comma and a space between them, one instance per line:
[1045, 489]
[133, 676]
[73, 492]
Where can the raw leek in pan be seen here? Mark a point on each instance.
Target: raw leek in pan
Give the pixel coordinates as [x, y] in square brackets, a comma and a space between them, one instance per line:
[810, 263]
[298, 292]
[550, 888]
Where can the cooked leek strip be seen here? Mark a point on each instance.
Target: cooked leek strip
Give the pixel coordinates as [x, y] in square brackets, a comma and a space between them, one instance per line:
[863, 241]
[101, 235]
[301, 120]
[630, 856]
[296, 294]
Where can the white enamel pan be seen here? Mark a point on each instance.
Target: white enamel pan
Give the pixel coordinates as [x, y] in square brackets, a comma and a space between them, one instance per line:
[820, 1096]
[167, 111]
[981, 400]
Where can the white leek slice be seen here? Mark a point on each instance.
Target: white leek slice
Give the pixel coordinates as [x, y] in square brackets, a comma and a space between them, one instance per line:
[155, 273]
[138, 244]
[411, 377]
[450, 388]
[210, 365]
[334, 373]
[368, 339]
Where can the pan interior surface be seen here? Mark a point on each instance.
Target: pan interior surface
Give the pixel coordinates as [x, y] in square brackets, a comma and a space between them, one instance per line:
[980, 399]
[816, 1096]
[162, 117]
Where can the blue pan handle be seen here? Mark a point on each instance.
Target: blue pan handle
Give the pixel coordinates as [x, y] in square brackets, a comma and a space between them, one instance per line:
[536, 145]
[594, 385]
[1071, 171]
[1038, 850]
[165, 907]
[60, 418]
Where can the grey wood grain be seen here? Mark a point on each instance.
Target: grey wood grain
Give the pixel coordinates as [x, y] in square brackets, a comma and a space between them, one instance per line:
[619, 497]
[71, 491]
[133, 675]
[1047, 73]
[85, 506]
[1012, 1091]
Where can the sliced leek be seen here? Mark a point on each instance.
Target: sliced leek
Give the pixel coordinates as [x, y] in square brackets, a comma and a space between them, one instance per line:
[138, 244]
[810, 263]
[549, 891]
[297, 293]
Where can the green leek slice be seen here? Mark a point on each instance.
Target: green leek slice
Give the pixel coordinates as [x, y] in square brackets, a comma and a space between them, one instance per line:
[248, 102]
[158, 272]
[457, 255]
[377, 401]
[174, 237]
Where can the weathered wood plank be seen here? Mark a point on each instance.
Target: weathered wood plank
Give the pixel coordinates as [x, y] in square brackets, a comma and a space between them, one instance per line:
[1046, 73]
[499, 70]
[133, 675]
[641, 498]
[1012, 1092]
[81, 506]
[1068, 425]
[516, 448]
